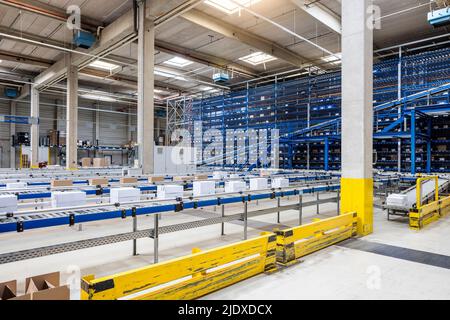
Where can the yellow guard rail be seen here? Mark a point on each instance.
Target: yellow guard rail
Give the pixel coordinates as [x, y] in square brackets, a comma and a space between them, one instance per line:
[295, 243]
[188, 277]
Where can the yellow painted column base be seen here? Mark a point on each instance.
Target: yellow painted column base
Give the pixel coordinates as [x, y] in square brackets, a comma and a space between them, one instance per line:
[357, 196]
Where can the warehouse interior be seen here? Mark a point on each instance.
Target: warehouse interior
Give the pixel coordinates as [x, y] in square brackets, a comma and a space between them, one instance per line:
[224, 149]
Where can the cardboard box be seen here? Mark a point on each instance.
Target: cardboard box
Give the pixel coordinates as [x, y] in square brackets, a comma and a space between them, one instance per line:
[170, 191]
[62, 183]
[8, 290]
[43, 287]
[46, 287]
[182, 178]
[8, 203]
[280, 183]
[16, 185]
[201, 177]
[122, 195]
[128, 180]
[68, 199]
[203, 188]
[235, 186]
[86, 162]
[156, 179]
[99, 162]
[259, 184]
[103, 182]
[219, 175]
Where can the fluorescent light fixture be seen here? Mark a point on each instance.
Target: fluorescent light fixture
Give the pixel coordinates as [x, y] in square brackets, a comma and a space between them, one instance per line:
[336, 59]
[169, 75]
[178, 62]
[209, 89]
[228, 6]
[98, 97]
[104, 65]
[257, 58]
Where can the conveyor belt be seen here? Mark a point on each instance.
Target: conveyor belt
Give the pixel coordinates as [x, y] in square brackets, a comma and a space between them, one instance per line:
[409, 196]
[43, 193]
[49, 218]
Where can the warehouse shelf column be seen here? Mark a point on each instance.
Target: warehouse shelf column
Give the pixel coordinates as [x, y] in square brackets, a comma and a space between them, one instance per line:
[146, 85]
[34, 131]
[72, 115]
[357, 112]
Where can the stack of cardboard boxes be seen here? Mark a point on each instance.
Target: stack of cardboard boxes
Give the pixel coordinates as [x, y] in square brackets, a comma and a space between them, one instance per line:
[43, 287]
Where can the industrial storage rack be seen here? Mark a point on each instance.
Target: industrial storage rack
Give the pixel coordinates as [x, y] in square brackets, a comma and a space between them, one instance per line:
[416, 128]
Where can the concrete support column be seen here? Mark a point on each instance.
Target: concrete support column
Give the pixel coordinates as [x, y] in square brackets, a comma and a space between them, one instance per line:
[357, 112]
[145, 109]
[34, 131]
[72, 116]
[12, 128]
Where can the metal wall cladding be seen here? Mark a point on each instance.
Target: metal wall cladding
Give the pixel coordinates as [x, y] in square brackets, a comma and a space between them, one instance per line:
[5, 136]
[113, 129]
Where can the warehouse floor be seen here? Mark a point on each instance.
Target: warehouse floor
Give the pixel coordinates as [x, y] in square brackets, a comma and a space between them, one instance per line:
[338, 272]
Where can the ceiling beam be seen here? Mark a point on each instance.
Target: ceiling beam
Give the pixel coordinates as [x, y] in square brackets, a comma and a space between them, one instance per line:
[204, 58]
[321, 13]
[50, 11]
[28, 60]
[115, 35]
[231, 31]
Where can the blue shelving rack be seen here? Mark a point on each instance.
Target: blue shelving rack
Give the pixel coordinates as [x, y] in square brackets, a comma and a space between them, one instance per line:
[307, 112]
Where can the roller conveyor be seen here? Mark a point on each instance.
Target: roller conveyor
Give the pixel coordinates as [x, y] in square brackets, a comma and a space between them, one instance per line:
[406, 200]
[58, 217]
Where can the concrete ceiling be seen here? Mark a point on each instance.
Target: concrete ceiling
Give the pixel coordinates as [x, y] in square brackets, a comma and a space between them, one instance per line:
[408, 25]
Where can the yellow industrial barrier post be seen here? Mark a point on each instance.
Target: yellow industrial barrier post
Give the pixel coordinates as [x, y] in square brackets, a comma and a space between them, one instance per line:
[423, 215]
[297, 242]
[188, 277]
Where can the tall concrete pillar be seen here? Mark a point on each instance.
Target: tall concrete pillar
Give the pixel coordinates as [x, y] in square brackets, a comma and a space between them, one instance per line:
[145, 109]
[72, 116]
[357, 112]
[12, 128]
[34, 131]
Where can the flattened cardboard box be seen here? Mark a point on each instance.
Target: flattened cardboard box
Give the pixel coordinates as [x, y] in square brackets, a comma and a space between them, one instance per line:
[99, 182]
[156, 179]
[201, 177]
[62, 183]
[128, 180]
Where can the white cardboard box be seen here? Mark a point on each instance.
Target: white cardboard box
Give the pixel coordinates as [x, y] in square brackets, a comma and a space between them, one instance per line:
[259, 184]
[16, 185]
[8, 203]
[280, 183]
[235, 186]
[397, 200]
[122, 195]
[204, 188]
[170, 191]
[68, 199]
[219, 175]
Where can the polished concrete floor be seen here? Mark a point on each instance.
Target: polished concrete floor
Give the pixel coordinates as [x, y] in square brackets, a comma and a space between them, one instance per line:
[408, 265]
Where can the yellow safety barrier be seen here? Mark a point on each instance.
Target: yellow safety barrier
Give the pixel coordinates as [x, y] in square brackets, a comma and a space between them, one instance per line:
[419, 189]
[426, 214]
[188, 277]
[295, 243]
